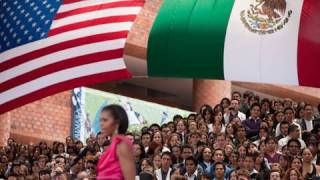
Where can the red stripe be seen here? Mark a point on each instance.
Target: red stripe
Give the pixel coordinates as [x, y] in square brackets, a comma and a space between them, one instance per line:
[83, 24]
[71, 1]
[68, 63]
[61, 46]
[309, 44]
[98, 7]
[65, 85]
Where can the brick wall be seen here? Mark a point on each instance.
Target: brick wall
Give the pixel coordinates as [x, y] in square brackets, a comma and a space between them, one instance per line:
[47, 119]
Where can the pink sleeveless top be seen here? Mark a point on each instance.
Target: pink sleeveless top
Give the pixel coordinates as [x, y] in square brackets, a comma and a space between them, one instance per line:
[108, 166]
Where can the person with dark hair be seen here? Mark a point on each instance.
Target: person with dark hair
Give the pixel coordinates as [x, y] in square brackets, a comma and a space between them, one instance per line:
[145, 140]
[294, 133]
[164, 172]
[289, 117]
[219, 171]
[236, 95]
[234, 111]
[252, 124]
[155, 127]
[265, 107]
[309, 170]
[208, 115]
[191, 168]
[271, 153]
[100, 138]
[249, 163]
[292, 174]
[218, 156]
[118, 161]
[240, 133]
[225, 103]
[294, 147]
[205, 159]
[309, 121]
[284, 126]
[139, 154]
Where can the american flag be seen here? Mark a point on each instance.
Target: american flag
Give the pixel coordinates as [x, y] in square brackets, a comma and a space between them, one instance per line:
[48, 46]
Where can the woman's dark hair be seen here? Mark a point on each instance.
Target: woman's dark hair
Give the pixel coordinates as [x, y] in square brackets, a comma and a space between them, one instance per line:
[148, 160]
[120, 117]
[143, 152]
[210, 111]
[55, 150]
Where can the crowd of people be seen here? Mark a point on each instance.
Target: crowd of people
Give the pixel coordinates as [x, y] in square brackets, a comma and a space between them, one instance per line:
[241, 138]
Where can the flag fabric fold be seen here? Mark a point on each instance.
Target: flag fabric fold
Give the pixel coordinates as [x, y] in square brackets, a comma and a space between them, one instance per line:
[265, 41]
[50, 46]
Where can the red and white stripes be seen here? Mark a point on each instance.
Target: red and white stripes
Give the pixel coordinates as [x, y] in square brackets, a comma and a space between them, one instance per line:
[84, 46]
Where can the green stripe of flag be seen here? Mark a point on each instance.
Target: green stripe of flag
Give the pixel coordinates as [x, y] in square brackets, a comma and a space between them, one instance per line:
[187, 39]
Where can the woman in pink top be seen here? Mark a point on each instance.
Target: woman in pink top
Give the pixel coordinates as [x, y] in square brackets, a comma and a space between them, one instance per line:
[117, 162]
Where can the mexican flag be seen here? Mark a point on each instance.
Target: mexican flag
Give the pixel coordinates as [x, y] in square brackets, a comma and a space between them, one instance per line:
[267, 41]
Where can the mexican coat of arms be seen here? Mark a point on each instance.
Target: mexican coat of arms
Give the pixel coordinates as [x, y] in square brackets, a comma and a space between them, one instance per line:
[266, 16]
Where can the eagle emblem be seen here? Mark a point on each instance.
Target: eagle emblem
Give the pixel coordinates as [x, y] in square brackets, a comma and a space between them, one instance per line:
[266, 16]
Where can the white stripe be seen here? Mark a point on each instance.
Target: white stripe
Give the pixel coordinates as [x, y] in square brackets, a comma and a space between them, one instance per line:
[92, 30]
[269, 58]
[61, 76]
[94, 14]
[82, 4]
[60, 56]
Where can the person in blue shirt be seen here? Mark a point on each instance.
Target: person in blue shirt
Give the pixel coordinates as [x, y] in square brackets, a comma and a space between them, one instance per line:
[218, 157]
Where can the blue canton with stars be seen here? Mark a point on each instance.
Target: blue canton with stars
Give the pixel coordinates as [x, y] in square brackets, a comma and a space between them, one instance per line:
[24, 21]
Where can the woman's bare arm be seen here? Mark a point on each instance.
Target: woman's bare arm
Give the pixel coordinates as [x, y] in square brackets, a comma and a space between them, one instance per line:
[126, 159]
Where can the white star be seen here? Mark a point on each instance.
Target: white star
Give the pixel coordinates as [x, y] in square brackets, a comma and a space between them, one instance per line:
[14, 35]
[2, 33]
[30, 38]
[44, 2]
[18, 22]
[35, 8]
[42, 17]
[42, 34]
[38, 12]
[14, 18]
[38, 29]
[8, 43]
[52, 10]
[8, 9]
[22, 11]
[27, 1]
[18, 40]
[25, 32]
[48, 5]
[32, 4]
[11, 13]
[11, 30]
[1, 16]
[30, 19]
[4, 4]
[15, 2]
[8, 25]
[47, 22]
[34, 24]
[4, 38]
[22, 27]
[5, 20]
[27, 14]
[19, 6]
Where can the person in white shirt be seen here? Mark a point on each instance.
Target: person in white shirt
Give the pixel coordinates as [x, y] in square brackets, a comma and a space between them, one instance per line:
[289, 116]
[293, 134]
[234, 111]
[191, 168]
[309, 121]
[164, 172]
